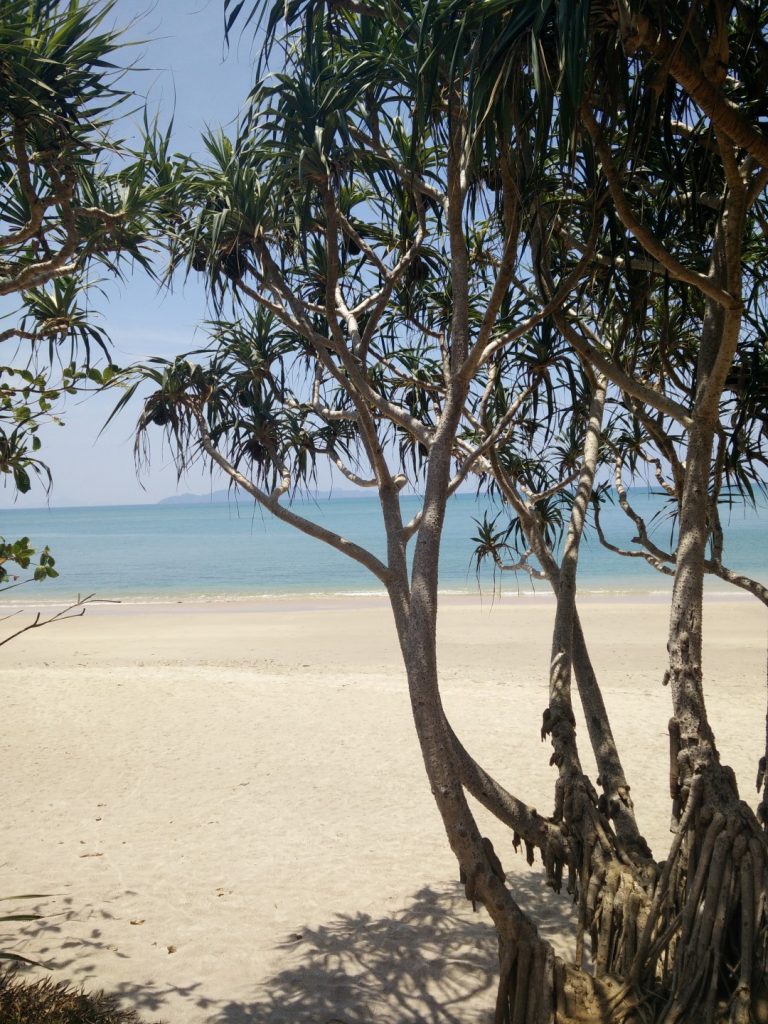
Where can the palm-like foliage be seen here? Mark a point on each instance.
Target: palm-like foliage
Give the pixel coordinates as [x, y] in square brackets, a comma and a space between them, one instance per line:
[59, 94]
[71, 199]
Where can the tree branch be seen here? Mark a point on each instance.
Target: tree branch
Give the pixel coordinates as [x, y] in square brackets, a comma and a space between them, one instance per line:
[334, 540]
[641, 233]
[605, 365]
[724, 115]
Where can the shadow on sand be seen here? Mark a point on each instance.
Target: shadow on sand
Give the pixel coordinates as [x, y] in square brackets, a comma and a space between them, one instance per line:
[432, 962]
[59, 955]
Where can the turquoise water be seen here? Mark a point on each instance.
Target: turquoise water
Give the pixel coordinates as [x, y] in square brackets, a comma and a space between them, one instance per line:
[233, 551]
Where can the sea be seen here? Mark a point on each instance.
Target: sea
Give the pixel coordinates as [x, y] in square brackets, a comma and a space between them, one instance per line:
[235, 551]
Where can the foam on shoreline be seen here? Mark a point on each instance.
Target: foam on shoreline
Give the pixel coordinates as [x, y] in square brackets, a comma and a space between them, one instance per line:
[334, 599]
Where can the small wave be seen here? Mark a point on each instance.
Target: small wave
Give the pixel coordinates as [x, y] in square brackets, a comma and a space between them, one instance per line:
[482, 593]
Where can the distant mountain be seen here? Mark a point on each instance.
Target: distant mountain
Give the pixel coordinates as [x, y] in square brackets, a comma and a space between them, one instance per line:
[212, 498]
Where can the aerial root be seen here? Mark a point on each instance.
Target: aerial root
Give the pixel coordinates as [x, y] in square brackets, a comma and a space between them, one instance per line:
[694, 945]
[522, 992]
[605, 923]
[685, 943]
[716, 940]
[501, 1016]
[525, 994]
[708, 920]
[671, 944]
[580, 998]
[717, 890]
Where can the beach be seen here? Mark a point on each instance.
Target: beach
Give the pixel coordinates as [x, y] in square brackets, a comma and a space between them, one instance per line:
[226, 805]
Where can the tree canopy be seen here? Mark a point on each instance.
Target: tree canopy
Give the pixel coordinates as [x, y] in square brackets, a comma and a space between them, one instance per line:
[75, 202]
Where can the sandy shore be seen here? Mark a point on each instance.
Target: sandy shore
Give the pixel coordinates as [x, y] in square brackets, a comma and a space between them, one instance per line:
[228, 808]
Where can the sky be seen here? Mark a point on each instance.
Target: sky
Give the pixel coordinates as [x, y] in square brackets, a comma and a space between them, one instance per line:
[188, 74]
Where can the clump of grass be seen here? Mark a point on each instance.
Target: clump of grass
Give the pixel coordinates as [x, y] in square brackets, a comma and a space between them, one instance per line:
[47, 1002]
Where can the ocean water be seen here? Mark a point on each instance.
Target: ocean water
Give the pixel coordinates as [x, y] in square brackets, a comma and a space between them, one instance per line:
[235, 551]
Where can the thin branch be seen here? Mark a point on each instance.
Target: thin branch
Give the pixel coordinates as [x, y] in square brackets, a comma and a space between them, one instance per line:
[651, 559]
[482, 353]
[322, 345]
[38, 622]
[409, 178]
[753, 587]
[662, 481]
[112, 220]
[646, 265]
[663, 442]
[36, 205]
[664, 561]
[535, 498]
[693, 134]
[521, 565]
[393, 276]
[15, 332]
[350, 475]
[758, 185]
[523, 819]
[474, 458]
[636, 518]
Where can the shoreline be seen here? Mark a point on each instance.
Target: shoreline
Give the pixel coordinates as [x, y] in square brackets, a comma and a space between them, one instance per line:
[143, 558]
[288, 601]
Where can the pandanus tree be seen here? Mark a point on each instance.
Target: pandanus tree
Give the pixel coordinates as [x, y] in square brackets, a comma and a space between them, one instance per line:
[501, 242]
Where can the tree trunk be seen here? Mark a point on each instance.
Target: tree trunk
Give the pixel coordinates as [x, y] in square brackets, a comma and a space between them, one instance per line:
[525, 991]
[708, 921]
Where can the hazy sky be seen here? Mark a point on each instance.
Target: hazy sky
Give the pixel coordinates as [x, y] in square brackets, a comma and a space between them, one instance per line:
[190, 75]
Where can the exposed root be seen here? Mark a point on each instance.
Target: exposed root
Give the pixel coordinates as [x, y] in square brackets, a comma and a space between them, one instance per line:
[685, 944]
[703, 951]
[673, 943]
[581, 998]
[526, 992]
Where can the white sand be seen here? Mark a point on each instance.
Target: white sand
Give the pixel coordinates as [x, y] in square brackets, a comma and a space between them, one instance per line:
[228, 806]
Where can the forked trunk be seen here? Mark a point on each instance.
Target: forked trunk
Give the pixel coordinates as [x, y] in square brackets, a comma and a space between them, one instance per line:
[525, 994]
